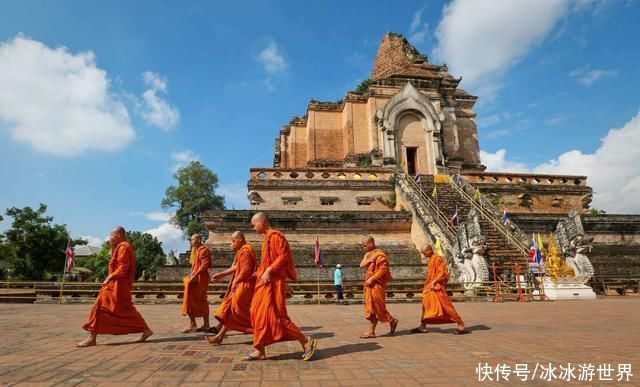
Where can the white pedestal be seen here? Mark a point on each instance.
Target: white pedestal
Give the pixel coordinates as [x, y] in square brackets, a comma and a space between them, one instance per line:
[567, 289]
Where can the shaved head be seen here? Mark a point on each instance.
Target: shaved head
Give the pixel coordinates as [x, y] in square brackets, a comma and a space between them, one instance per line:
[426, 251]
[238, 235]
[368, 243]
[260, 222]
[118, 234]
[237, 240]
[261, 217]
[426, 248]
[368, 239]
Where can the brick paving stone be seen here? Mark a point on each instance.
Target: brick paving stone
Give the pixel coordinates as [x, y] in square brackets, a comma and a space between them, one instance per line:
[598, 331]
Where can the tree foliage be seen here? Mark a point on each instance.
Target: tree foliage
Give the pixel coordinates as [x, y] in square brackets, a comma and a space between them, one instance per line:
[34, 245]
[194, 195]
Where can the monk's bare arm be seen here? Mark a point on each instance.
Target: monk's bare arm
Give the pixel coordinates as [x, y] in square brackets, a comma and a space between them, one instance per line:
[367, 261]
[225, 273]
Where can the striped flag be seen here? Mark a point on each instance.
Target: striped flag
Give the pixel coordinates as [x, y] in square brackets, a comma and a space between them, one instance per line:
[417, 178]
[454, 218]
[318, 255]
[505, 219]
[69, 255]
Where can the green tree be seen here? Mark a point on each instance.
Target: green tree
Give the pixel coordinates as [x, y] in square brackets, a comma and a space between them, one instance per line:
[149, 256]
[33, 244]
[194, 195]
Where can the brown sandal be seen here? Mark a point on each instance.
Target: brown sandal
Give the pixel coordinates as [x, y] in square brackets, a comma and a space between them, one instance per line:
[367, 336]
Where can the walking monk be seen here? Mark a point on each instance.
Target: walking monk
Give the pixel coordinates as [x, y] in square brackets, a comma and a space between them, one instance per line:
[378, 275]
[233, 312]
[114, 313]
[269, 318]
[196, 285]
[436, 306]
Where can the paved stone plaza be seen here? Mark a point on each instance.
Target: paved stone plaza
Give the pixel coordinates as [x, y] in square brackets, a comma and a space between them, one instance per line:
[37, 347]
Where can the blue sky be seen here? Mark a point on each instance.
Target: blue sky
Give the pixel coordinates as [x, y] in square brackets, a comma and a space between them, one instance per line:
[100, 101]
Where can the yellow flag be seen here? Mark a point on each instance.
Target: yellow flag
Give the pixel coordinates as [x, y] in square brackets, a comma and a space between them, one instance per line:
[540, 245]
[402, 163]
[437, 248]
[476, 195]
[434, 194]
[192, 257]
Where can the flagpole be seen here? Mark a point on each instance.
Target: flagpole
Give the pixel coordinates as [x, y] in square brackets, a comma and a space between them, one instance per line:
[318, 284]
[64, 269]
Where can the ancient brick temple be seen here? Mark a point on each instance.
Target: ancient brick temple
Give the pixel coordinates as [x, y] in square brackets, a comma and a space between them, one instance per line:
[397, 158]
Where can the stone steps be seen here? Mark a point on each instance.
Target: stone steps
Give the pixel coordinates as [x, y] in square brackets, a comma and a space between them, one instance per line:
[499, 251]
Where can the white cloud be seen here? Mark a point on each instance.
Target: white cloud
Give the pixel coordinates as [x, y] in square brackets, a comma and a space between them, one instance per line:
[171, 237]
[557, 119]
[587, 77]
[182, 159]
[155, 110]
[272, 59]
[481, 39]
[59, 102]
[235, 195]
[497, 162]
[612, 170]
[159, 216]
[93, 240]
[418, 31]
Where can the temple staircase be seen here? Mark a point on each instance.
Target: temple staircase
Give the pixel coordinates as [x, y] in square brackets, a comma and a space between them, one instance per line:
[506, 245]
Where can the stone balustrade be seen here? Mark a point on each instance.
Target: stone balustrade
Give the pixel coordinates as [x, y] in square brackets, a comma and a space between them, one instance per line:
[479, 178]
[321, 174]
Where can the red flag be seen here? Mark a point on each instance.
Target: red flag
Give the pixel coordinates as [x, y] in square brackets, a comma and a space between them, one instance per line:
[69, 255]
[318, 256]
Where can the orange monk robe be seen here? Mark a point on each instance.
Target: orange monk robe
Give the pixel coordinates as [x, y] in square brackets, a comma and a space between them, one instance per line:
[233, 312]
[375, 308]
[114, 313]
[194, 301]
[436, 306]
[269, 317]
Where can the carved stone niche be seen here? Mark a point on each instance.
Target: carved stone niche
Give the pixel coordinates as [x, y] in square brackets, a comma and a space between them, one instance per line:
[586, 200]
[328, 200]
[291, 200]
[525, 200]
[254, 198]
[557, 201]
[365, 200]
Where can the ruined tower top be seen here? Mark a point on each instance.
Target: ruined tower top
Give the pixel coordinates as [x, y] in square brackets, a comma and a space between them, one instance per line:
[396, 57]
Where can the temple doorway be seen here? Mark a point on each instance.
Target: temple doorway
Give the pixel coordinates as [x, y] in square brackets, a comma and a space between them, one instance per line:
[412, 160]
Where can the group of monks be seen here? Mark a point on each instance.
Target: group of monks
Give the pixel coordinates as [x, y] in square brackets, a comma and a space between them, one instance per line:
[255, 300]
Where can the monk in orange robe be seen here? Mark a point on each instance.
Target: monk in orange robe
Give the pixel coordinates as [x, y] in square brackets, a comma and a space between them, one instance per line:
[269, 318]
[234, 311]
[113, 312]
[196, 285]
[436, 306]
[378, 275]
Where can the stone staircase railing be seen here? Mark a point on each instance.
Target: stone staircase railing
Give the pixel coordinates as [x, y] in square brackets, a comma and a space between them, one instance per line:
[511, 234]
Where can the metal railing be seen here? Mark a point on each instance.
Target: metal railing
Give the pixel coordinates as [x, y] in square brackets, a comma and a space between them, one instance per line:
[489, 212]
[441, 219]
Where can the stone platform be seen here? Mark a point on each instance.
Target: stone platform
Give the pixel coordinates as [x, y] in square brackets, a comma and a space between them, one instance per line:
[36, 347]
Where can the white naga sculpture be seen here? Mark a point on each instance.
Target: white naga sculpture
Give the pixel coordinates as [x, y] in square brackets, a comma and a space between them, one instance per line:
[575, 245]
[469, 246]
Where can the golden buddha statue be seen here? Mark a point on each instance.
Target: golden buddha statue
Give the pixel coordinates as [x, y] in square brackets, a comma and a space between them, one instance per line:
[555, 265]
